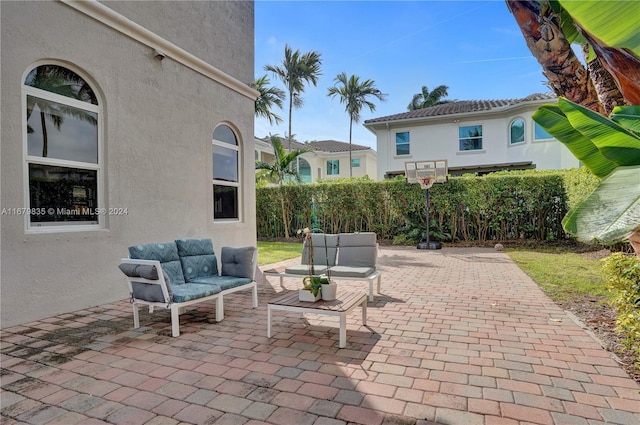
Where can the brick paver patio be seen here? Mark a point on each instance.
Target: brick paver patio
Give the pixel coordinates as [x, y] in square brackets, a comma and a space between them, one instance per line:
[458, 337]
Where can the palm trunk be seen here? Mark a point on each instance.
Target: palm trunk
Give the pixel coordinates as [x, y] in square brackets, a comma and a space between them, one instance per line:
[604, 83]
[623, 65]
[350, 161]
[284, 215]
[545, 39]
[290, 114]
[45, 137]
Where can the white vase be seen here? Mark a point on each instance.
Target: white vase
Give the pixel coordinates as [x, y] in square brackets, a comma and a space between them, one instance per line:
[304, 295]
[329, 291]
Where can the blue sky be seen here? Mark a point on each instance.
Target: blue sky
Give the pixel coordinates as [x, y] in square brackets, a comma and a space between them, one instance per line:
[474, 47]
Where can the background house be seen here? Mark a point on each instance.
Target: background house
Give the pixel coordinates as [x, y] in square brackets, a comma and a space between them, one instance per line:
[477, 136]
[111, 115]
[328, 159]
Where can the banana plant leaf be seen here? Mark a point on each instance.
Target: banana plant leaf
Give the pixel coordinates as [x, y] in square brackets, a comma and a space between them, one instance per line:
[614, 141]
[612, 212]
[627, 116]
[615, 26]
[556, 123]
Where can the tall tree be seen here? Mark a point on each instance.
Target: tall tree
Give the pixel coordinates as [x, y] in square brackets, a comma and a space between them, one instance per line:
[429, 98]
[270, 96]
[281, 172]
[354, 94]
[297, 69]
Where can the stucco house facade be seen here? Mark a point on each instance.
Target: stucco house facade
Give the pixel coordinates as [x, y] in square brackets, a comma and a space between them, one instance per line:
[477, 136]
[327, 159]
[123, 123]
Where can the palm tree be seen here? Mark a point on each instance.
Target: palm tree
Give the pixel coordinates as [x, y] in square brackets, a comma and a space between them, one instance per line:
[269, 96]
[429, 98]
[296, 70]
[282, 171]
[354, 94]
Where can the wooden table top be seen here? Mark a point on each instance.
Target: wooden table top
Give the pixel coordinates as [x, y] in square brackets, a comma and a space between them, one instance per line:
[345, 301]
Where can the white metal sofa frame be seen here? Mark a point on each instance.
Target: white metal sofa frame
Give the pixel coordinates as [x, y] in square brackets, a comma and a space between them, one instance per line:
[300, 270]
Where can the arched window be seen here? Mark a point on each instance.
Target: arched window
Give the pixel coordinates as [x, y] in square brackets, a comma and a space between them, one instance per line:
[226, 183]
[304, 169]
[516, 131]
[62, 130]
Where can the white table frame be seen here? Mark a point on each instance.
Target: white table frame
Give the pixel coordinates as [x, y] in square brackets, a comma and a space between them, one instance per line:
[340, 308]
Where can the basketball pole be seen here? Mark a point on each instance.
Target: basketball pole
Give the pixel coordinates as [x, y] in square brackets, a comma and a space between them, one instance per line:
[428, 244]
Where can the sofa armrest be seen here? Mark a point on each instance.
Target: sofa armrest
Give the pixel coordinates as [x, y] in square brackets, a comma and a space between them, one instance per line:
[145, 282]
[239, 261]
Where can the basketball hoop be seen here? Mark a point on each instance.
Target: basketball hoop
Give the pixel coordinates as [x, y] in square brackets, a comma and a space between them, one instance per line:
[426, 173]
[426, 182]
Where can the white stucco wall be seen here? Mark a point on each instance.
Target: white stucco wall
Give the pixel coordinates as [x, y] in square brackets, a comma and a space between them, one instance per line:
[439, 139]
[158, 121]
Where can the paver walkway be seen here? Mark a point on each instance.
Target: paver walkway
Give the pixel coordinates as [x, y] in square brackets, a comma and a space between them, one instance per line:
[458, 337]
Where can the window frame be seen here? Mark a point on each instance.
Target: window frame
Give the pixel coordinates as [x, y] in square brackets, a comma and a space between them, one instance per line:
[407, 143]
[460, 139]
[333, 167]
[27, 160]
[524, 132]
[355, 164]
[217, 182]
[535, 139]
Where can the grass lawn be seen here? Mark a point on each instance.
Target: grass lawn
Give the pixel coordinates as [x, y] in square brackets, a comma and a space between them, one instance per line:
[273, 252]
[563, 275]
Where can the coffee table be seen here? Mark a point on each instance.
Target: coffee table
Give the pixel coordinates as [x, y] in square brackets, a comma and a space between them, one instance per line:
[340, 307]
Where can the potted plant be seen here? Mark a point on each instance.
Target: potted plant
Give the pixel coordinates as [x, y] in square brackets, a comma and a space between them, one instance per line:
[311, 284]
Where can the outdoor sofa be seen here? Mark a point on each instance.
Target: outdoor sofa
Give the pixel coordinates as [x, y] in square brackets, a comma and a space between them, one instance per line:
[345, 256]
[175, 275]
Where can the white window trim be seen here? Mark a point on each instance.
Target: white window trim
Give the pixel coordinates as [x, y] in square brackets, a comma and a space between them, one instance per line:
[29, 159]
[464, 152]
[509, 144]
[237, 184]
[331, 160]
[395, 145]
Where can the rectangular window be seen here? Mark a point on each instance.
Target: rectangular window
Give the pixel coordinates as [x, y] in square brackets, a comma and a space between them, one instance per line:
[225, 202]
[470, 137]
[333, 167]
[355, 162]
[402, 143]
[540, 133]
[62, 195]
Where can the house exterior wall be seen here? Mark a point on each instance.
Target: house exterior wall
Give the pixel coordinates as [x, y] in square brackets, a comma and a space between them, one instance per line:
[157, 123]
[438, 138]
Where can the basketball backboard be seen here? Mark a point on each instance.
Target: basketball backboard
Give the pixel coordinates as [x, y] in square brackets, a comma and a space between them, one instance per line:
[426, 172]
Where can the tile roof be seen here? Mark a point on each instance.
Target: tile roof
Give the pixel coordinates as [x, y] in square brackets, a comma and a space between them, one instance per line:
[321, 145]
[460, 107]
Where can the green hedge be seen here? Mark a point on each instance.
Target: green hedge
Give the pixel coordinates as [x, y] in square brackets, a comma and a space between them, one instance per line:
[497, 206]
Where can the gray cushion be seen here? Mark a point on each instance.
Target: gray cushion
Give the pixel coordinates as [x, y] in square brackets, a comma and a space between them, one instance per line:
[322, 255]
[139, 270]
[238, 261]
[347, 271]
[149, 292]
[303, 269]
[357, 239]
[361, 256]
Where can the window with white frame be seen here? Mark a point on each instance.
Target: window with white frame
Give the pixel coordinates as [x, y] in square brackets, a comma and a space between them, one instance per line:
[470, 137]
[355, 162]
[63, 167]
[226, 182]
[333, 167]
[540, 133]
[403, 146]
[516, 131]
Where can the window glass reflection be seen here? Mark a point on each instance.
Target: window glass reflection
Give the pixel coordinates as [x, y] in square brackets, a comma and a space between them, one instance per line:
[225, 164]
[61, 131]
[225, 202]
[224, 134]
